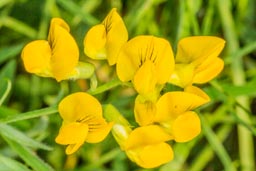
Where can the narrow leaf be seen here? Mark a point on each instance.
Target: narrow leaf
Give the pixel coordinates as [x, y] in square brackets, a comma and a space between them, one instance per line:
[21, 138]
[28, 156]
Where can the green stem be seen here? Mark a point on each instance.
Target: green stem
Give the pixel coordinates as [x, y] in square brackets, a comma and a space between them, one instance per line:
[30, 115]
[246, 148]
[105, 87]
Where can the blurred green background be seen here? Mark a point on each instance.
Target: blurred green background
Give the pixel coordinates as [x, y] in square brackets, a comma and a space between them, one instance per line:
[29, 121]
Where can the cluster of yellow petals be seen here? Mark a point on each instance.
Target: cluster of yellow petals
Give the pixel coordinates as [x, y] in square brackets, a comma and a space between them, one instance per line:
[82, 121]
[146, 61]
[104, 40]
[197, 60]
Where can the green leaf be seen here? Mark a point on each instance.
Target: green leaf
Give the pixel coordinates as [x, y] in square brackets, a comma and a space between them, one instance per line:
[10, 164]
[21, 138]
[30, 115]
[28, 156]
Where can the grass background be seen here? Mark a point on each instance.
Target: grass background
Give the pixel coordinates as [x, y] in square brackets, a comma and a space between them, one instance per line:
[29, 121]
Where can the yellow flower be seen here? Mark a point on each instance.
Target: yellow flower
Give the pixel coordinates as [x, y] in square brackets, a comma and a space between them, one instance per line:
[175, 116]
[148, 61]
[147, 147]
[82, 121]
[104, 40]
[56, 57]
[197, 60]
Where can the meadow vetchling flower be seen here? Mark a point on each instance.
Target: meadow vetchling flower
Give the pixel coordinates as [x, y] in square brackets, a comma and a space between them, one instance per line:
[56, 57]
[146, 146]
[197, 60]
[148, 62]
[105, 40]
[82, 121]
[175, 116]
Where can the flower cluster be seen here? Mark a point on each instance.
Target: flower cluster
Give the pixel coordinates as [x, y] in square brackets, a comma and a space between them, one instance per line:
[147, 62]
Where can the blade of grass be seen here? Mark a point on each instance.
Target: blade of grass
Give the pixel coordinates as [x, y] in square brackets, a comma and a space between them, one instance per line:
[21, 138]
[10, 164]
[30, 115]
[207, 153]
[19, 26]
[217, 145]
[28, 156]
[246, 147]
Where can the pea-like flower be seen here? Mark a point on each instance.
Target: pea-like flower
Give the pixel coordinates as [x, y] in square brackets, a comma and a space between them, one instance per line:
[82, 121]
[174, 113]
[147, 147]
[105, 40]
[148, 62]
[197, 60]
[56, 57]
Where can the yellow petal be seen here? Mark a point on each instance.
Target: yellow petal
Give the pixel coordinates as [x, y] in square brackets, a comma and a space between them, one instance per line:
[172, 104]
[197, 91]
[95, 41]
[186, 127]
[56, 22]
[117, 35]
[151, 156]
[65, 53]
[144, 111]
[72, 133]
[36, 57]
[198, 48]
[78, 106]
[145, 78]
[146, 135]
[210, 72]
[100, 134]
[141, 49]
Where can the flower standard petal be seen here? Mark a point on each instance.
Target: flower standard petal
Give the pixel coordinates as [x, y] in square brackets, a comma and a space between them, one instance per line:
[95, 41]
[141, 49]
[198, 48]
[172, 104]
[65, 53]
[186, 127]
[36, 57]
[117, 35]
[105, 40]
[78, 106]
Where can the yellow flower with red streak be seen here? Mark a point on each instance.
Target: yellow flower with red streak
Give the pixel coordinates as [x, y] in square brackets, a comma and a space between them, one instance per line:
[82, 121]
[56, 57]
[197, 60]
[105, 40]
